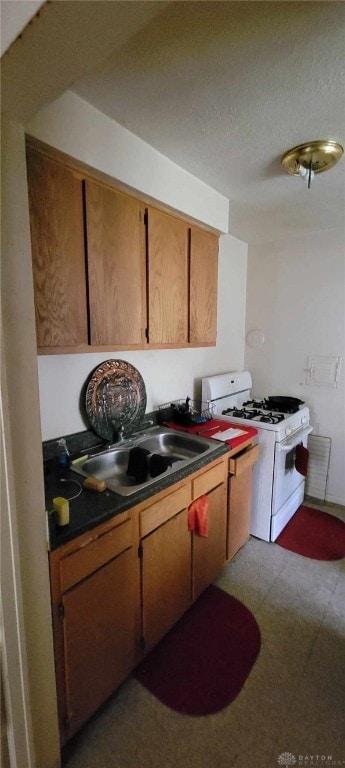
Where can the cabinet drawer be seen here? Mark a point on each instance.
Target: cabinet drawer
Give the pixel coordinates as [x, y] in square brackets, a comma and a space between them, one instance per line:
[163, 510]
[241, 463]
[92, 556]
[208, 480]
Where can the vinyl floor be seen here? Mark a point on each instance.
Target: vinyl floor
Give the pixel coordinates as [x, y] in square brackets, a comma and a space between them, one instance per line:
[291, 710]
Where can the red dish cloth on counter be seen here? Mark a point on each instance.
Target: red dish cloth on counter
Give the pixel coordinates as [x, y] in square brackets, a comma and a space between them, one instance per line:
[301, 459]
[198, 516]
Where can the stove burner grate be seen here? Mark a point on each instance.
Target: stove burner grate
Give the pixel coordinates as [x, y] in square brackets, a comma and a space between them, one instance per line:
[256, 404]
[272, 418]
[267, 405]
[254, 414]
[242, 413]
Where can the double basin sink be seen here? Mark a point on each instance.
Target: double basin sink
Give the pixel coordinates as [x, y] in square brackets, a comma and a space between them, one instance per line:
[111, 464]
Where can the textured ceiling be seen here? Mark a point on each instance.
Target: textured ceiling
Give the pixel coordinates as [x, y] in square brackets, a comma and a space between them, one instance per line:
[224, 89]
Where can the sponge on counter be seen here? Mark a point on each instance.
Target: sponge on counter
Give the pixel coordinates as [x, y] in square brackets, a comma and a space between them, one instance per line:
[92, 484]
[79, 460]
[61, 507]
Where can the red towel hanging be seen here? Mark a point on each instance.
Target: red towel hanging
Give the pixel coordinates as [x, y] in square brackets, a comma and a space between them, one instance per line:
[301, 459]
[198, 516]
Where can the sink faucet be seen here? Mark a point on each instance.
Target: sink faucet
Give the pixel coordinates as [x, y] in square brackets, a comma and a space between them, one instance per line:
[118, 433]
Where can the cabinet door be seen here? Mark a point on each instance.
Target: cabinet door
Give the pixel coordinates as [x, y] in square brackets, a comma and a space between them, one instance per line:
[240, 499]
[116, 266]
[209, 553]
[101, 635]
[166, 577]
[203, 287]
[167, 279]
[240, 503]
[58, 255]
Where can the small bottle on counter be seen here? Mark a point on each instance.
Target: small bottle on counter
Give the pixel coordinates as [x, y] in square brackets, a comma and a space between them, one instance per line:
[64, 457]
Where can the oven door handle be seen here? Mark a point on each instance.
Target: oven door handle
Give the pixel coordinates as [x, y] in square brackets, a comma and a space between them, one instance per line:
[296, 439]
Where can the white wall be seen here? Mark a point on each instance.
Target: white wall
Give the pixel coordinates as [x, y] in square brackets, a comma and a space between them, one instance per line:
[85, 133]
[168, 374]
[72, 126]
[296, 296]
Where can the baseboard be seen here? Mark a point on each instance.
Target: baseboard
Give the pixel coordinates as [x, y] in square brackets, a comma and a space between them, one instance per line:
[329, 500]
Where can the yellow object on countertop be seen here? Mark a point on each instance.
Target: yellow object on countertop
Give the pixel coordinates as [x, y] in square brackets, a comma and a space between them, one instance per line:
[80, 460]
[93, 484]
[61, 507]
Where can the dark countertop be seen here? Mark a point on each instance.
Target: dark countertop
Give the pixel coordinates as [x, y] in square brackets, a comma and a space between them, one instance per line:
[90, 509]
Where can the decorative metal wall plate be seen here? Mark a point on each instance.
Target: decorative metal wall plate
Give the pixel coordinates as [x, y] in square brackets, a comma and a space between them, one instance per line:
[115, 397]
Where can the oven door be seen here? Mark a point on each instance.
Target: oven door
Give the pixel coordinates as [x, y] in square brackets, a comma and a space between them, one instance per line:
[286, 479]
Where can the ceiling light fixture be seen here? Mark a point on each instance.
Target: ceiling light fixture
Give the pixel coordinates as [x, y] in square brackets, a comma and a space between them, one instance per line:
[314, 157]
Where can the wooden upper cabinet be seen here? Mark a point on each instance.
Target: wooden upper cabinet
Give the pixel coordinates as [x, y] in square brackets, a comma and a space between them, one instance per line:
[116, 266]
[106, 275]
[58, 254]
[168, 289]
[203, 286]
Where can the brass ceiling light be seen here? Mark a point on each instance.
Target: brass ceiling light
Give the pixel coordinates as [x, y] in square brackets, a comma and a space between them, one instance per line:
[314, 157]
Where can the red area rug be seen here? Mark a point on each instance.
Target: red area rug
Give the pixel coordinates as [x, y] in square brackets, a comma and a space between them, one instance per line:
[314, 534]
[201, 665]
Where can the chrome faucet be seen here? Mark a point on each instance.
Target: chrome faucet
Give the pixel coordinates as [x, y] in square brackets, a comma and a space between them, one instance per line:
[118, 433]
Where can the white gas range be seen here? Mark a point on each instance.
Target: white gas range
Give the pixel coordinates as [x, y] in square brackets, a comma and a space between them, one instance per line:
[278, 488]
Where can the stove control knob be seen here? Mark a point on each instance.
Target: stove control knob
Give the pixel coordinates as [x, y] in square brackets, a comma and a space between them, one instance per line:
[304, 419]
[288, 431]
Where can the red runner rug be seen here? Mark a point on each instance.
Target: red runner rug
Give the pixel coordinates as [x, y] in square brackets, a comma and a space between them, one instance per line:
[314, 534]
[201, 665]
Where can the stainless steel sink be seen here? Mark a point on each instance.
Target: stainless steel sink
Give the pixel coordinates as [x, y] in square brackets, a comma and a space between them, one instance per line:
[170, 443]
[111, 465]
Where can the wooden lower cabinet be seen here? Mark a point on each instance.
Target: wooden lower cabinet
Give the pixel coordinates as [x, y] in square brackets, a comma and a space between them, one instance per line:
[209, 553]
[117, 589]
[177, 565]
[95, 586]
[240, 499]
[166, 577]
[100, 635]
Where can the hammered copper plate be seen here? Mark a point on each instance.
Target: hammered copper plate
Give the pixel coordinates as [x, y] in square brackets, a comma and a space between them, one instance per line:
[115, 397]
